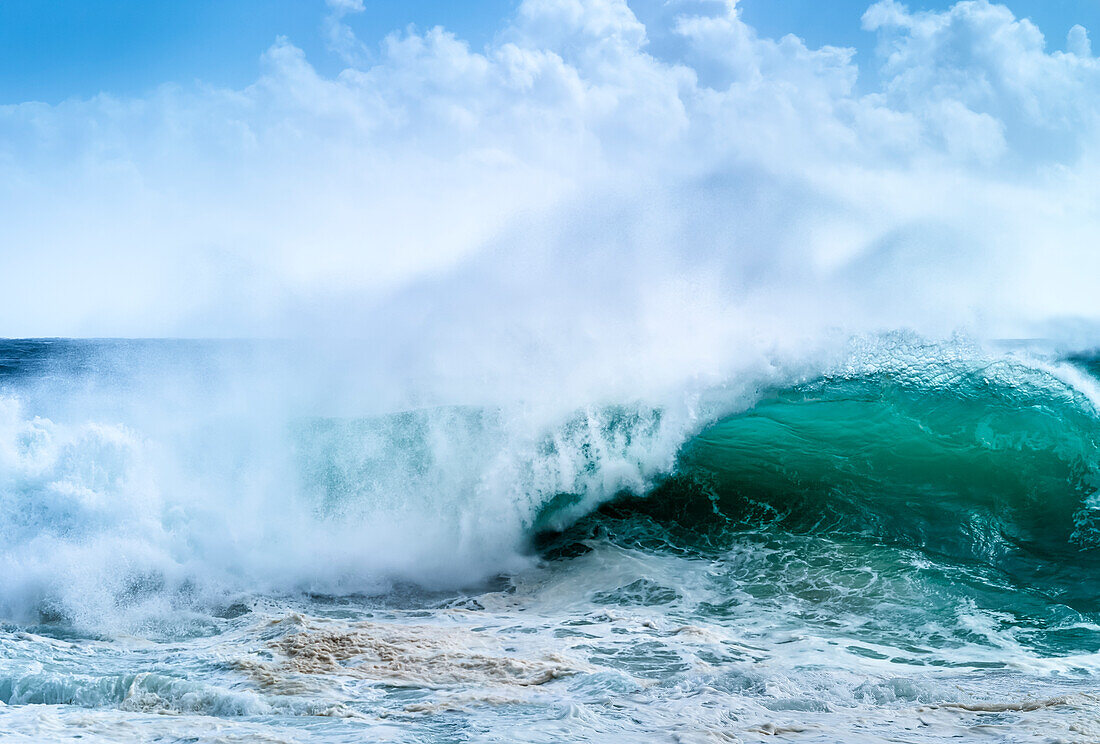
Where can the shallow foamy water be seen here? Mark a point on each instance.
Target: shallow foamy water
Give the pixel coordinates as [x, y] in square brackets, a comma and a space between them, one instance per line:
[612, 645]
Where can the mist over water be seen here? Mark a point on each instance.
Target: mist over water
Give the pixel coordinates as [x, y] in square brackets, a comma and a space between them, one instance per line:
[139, 475]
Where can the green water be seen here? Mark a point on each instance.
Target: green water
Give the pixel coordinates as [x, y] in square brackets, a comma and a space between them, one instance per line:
[976, 487]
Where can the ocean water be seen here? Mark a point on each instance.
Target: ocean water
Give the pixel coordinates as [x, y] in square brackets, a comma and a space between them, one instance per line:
[246, 542]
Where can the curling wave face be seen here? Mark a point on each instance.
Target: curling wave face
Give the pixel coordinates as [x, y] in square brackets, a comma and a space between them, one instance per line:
[993, 462]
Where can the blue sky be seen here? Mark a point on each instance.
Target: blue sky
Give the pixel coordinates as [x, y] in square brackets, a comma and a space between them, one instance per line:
[55, 49]
[51, 50]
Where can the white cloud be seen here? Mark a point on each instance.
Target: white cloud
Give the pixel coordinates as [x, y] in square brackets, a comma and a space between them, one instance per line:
[300, 203]
[346, 6]
[1077, 42]
[978, 55]
[340, 37]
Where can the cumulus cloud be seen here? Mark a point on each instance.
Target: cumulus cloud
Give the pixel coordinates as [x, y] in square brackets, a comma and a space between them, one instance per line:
[1077, 42]
[978, 59]
[339, 36]
[593, 157]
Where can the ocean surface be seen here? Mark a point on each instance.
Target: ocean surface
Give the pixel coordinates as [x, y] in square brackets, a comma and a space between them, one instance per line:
[234, 542]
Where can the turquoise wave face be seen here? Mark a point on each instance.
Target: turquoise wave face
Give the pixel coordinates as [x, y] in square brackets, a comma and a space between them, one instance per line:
[996, 468]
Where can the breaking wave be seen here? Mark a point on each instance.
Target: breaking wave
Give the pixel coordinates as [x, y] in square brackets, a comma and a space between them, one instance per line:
[114, 516]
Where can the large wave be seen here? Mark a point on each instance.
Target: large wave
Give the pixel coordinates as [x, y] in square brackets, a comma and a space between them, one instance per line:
[121, 506]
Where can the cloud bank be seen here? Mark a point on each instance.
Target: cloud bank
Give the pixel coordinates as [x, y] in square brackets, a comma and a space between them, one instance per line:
[623, 168]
